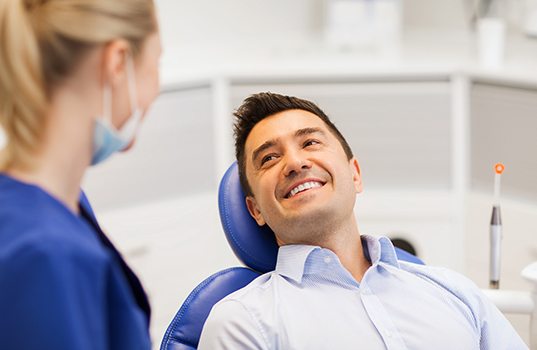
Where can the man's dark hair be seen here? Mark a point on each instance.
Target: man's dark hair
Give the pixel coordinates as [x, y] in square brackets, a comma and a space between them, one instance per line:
[259, 106]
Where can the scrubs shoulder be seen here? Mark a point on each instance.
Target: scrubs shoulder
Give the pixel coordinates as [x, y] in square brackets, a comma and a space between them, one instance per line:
[62, 284]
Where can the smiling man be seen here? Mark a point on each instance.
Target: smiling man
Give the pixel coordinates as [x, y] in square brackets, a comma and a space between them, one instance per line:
[334, 288]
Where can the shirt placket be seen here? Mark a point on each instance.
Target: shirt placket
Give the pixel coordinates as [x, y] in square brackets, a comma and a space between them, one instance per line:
[381, 319]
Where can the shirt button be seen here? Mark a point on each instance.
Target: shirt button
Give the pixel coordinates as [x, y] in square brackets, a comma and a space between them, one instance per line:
[327, 260]
[366, 291]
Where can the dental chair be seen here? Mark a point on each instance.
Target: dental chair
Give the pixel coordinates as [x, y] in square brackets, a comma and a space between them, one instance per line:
[254, 246]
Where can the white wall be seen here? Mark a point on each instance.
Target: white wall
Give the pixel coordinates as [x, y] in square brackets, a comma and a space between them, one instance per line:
[437, 14]
[207, 22]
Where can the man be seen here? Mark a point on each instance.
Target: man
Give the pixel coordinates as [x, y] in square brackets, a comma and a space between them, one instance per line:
[334, 288]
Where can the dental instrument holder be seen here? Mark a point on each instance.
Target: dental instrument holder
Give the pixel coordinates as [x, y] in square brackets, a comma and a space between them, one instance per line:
[495, 247]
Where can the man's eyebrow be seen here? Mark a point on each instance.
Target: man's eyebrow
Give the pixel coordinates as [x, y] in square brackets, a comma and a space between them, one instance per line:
[307, 131]
[261, 148]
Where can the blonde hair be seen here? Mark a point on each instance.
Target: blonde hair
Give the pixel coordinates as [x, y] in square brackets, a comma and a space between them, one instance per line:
[41, 42]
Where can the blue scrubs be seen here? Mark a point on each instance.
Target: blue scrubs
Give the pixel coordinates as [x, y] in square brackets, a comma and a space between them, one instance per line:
[62, 283]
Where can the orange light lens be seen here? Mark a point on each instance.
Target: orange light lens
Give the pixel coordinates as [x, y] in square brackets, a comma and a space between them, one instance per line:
[499, 168]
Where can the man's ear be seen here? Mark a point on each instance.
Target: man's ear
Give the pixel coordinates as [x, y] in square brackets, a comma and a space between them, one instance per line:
[356, 175]
[251, 204]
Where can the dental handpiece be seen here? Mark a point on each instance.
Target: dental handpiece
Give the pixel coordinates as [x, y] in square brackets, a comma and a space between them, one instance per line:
[496, 231]
[495, 247]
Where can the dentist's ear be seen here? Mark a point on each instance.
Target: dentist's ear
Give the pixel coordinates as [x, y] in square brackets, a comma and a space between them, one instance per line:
[356, 174]
[114, 60]
[251, 204]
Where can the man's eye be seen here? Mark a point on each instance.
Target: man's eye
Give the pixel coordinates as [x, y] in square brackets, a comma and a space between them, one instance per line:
[268, 158]
[311, 143]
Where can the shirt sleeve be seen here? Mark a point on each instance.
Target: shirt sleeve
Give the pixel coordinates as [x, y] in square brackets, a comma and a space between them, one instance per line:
[231, 326]
[51, 300]
[496, 332]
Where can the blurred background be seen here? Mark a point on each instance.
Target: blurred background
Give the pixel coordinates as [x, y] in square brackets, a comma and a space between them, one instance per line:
[429, 93]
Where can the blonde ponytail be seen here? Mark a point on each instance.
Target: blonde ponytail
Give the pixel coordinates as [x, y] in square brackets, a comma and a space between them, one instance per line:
[41, 42]
[22, 96]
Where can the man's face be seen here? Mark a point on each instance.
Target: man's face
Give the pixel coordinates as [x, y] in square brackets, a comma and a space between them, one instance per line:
[303, 185]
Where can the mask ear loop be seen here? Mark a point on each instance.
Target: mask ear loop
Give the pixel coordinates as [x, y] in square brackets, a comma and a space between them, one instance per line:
[131, 84]
[107, 103]
[129, 129]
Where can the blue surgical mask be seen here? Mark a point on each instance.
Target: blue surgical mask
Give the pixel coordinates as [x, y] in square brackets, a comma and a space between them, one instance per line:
[108, 140]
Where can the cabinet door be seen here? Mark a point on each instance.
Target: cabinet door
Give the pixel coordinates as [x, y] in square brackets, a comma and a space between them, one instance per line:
[400, 132]
[173, 155]
[504, 128]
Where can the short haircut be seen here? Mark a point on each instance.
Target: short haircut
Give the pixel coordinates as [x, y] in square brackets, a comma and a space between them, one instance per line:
[265, 104]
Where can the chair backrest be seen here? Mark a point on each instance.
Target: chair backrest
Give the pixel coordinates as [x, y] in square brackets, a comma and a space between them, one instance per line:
[184, 331]
[255, 246]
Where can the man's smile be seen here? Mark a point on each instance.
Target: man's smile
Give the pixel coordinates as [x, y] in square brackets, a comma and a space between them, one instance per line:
[303, 186]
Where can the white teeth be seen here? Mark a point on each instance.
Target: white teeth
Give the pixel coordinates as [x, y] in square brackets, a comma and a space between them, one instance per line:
[304, 186]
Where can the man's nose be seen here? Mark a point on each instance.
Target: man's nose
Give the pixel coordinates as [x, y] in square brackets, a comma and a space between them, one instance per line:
[295, 163]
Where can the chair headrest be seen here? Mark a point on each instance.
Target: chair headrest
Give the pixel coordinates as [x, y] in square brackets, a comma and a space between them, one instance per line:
[255, 246]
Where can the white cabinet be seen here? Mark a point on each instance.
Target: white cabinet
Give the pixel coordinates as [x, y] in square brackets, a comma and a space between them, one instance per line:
[504, 128]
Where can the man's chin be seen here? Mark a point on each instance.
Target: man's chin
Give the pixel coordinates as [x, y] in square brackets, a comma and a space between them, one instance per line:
[304, 207]
[312, 217]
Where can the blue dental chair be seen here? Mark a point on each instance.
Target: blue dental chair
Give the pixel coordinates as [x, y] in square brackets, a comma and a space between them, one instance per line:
[254, 246]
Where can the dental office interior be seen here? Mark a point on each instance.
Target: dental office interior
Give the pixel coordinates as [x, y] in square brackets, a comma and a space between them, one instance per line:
[430, 94]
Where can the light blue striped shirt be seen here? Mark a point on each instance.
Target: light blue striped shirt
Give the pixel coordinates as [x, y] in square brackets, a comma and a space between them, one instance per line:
[312, 302]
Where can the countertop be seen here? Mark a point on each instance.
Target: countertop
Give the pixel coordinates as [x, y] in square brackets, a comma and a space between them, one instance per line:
[419, 56]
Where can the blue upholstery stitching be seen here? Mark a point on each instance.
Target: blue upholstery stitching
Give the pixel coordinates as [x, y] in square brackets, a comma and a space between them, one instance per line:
[193, 295]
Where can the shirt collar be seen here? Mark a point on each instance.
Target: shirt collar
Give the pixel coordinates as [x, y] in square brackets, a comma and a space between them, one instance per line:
[292, 258]
[379, 249]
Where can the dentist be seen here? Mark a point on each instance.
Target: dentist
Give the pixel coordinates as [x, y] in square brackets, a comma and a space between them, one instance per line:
[76, 77]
